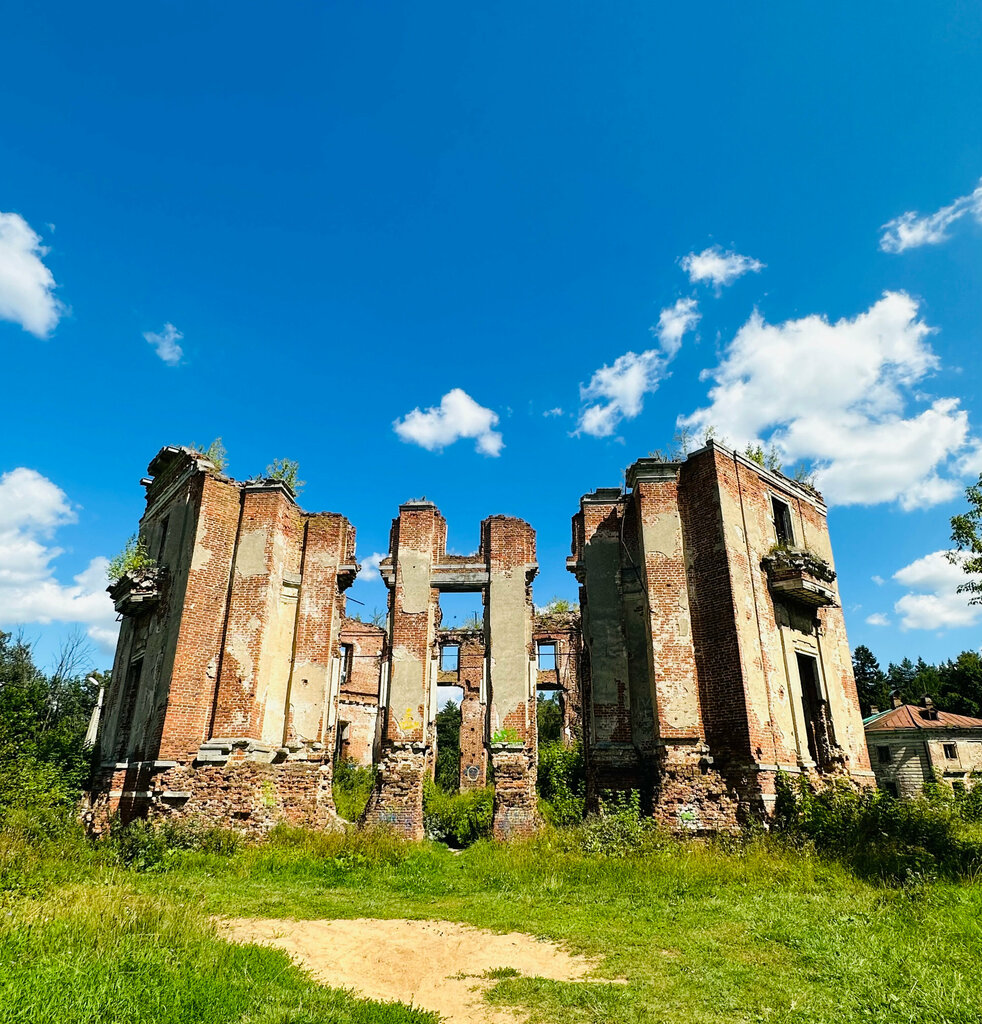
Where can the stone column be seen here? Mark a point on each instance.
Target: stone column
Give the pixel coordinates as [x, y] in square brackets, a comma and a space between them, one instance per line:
[418, 538]
[473, 712]
[509, 547]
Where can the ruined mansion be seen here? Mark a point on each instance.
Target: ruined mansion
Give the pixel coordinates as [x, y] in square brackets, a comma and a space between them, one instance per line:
[709, 652]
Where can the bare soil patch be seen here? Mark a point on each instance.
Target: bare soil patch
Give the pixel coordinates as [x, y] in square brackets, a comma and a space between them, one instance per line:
[435, 965]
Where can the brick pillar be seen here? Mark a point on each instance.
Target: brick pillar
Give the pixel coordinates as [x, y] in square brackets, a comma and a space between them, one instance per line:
[509, 547]
[418, 537]
[473, 713]
[194, 676]
[262, 611]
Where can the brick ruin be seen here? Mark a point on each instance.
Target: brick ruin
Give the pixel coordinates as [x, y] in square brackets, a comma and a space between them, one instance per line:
[715, 646]
[712, 653]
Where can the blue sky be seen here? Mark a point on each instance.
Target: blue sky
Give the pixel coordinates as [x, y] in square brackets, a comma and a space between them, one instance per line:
[346, 212]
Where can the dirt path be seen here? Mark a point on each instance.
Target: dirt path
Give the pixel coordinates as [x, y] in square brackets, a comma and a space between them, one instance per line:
[418, 962]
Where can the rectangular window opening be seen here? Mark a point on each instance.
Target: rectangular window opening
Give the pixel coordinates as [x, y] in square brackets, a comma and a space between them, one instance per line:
[783, 528]
[162, 539]
[883, 755]
[547, 657]
[449, 658]
[346, 652]
[890, 787]
[950, 752]
[811, 701]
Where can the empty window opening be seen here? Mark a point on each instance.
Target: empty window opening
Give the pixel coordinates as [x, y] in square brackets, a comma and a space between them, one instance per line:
[449, 658]
[889, 787]
[547, 657]
[447, 695]
[811, 701]
[883, 755]
[461, 610]
[346, 653]
[783, 528]
[950, 752]
[343, 741]
[550, 709]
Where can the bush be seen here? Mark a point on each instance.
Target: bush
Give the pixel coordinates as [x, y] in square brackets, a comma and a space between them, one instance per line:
[352, 788]
[880, 836]
[619, 830]
[561, 782]
[148, 845]
[457, 819]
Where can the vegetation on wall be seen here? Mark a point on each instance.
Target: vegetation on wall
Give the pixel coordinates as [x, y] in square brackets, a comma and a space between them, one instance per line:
[287, 472]
[215, 453]
[133, 557]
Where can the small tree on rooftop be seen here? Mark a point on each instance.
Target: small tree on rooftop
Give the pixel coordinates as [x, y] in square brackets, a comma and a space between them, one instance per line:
[768, 458]
[215, 453]
[286, 471]
[132, 558]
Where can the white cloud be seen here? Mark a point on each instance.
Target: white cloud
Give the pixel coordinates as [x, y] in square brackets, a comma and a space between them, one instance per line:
[719, 267]
[621, 388]
[457, 416]
[369, 566]
[878, 580]
[617, 392]
[933, 601]
[674, 322]
[909, 231]
[877, 619]
[837, 395]
[26, 285]
[553, 412]
[166, 344]
[32, 509]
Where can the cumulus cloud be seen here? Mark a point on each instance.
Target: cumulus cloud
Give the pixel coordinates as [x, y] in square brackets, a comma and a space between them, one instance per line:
[457, 416]
[877, 619]
[838, 395]
[933, 601]
[166, 344]
[910, 230]
[718, 267]
[674, 322]
[617, 392]
[32, 509]
[369, 567]
[27, 286]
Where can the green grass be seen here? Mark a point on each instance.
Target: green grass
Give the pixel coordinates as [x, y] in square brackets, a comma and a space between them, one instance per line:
[700, 933]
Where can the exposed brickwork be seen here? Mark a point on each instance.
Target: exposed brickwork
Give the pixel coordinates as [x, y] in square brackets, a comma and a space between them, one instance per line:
[359, 724]
[228, 662]
[397, 800]
[746, 676]
[515, 804]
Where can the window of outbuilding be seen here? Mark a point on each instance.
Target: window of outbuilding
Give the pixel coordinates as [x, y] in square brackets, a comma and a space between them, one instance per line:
[883, 755]
[950, 751]
[889, 787]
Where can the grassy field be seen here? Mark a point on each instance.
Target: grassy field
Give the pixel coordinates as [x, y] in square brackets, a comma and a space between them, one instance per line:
[701, 933]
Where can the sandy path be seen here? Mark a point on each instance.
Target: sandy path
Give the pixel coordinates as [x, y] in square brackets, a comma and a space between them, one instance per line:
[413, 961]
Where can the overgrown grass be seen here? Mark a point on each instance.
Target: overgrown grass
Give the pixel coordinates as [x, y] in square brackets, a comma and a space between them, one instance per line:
[739, 929]
[458, 819]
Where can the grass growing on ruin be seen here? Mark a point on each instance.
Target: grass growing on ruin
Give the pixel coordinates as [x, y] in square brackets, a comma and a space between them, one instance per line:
[735, 931]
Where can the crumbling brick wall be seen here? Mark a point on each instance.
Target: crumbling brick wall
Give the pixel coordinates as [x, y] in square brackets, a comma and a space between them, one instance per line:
[359, 724]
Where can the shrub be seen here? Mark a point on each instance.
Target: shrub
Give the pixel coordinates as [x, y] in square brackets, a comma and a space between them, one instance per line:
[352, 788]
[457, 819]
[880, 836]
[148, 845]
[561, 782]
[133, 557]
[619, 830]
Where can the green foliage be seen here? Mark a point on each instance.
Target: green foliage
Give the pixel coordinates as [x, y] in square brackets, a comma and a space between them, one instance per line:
[458, 819]
[352, 787]
[448, 747]
[286, 471]
[953, 685]
[561, 782]
[43, 719]
[966, 534]
[132, 558]
[506, 735]
[560, 606]
[215, 453]
[879, 836]
[152, 845]
[768, 458]
[549, 719]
